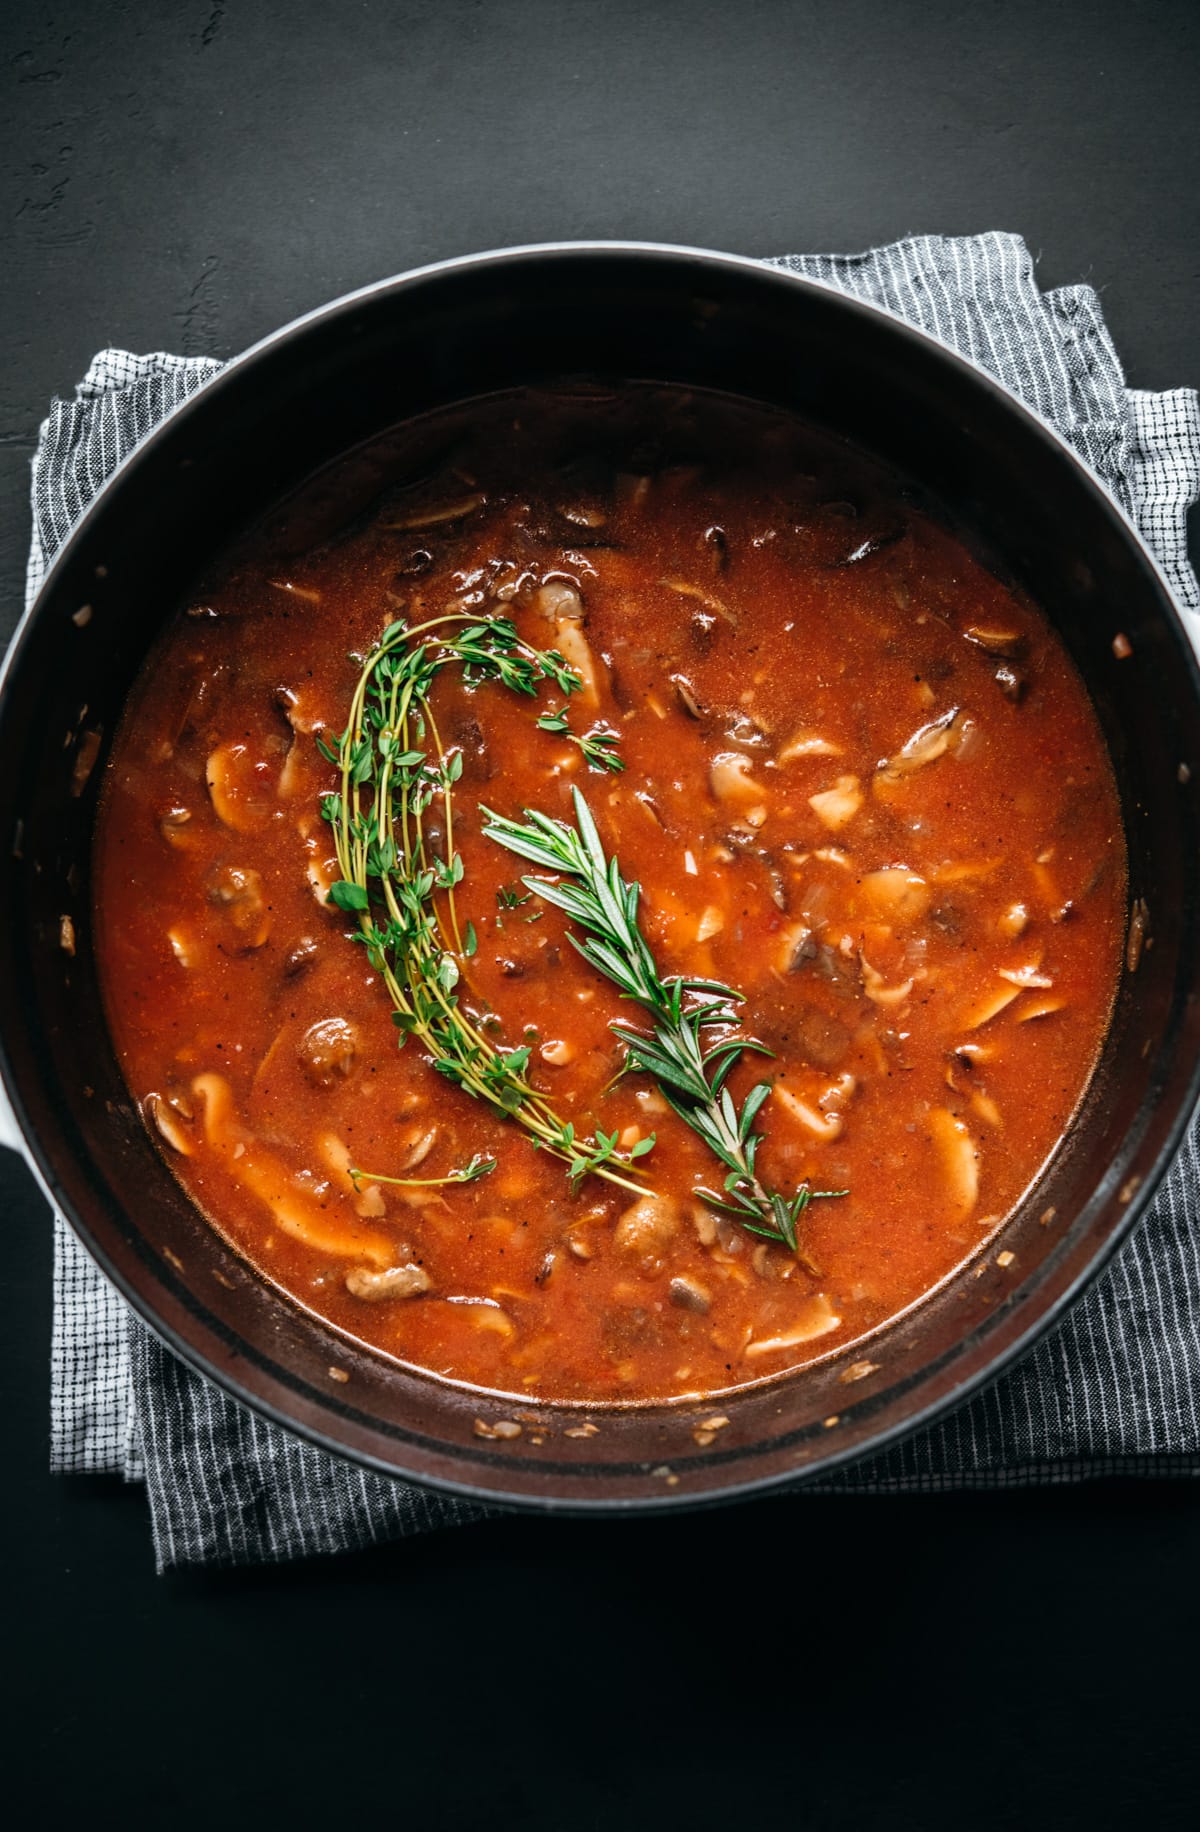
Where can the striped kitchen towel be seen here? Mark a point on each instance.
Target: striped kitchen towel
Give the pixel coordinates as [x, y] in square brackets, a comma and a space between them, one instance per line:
[1115, 1389]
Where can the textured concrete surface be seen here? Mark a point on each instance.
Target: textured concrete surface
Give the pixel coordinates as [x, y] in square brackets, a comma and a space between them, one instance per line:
[186, 175]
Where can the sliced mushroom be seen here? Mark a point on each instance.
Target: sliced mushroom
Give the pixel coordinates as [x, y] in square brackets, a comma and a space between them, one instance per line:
[877, 989]
[230, 777]
[730, 778]
[171, 1124]
[575, 650]
[995, 640]
[710, 603]
[990, 1006]
[959, 1157]
[924, 747]
[690, 1294]
[299, 1216]
[705, 1224]
[291, 703]
[444, 512]
[328, 1051]
[559, 601]
[645, 1229]
[686, 695]
[300, 956]
[1039, 1008]
[818, 1318]
[896, 893]
[390, 1282]
[238, 890]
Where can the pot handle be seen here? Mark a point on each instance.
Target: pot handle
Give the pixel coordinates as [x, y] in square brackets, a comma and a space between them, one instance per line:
[10, 1132]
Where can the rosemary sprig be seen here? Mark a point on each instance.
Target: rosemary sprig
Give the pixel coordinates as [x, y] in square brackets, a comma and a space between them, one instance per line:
[393, 764]
[690, 1051]
[599, 746]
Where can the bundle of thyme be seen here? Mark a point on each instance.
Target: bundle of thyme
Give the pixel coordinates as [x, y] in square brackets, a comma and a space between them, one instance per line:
[690, 1051]
[393, 765]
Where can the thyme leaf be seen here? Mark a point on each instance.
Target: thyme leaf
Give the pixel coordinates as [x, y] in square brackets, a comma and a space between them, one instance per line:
[600, 746]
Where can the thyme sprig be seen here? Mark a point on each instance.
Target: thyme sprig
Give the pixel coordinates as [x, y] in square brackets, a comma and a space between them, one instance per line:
[393, 766]
[480, 1165]
[690, 1051]
[600, 746]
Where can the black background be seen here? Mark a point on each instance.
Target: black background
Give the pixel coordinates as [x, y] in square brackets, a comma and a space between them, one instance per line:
[187, 177]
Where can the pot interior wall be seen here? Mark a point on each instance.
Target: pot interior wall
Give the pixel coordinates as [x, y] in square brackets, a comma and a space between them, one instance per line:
[340, 378]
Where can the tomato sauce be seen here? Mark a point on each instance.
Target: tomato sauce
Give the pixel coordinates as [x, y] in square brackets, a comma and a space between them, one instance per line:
[863, 785]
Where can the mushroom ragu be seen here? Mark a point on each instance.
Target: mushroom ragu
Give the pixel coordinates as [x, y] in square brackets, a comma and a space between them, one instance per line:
[566, 710]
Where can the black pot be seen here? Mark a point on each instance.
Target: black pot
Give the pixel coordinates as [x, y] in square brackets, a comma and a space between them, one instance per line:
[343, 374]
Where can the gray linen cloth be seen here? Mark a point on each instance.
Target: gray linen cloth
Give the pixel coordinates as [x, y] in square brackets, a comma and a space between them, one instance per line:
[1116, 1389]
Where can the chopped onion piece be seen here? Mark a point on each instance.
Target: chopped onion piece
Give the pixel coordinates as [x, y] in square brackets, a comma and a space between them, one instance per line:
[808, 744]
[835, 807]
[824, 1126]
[185, 950]
[1024, 976]
[558, 1052]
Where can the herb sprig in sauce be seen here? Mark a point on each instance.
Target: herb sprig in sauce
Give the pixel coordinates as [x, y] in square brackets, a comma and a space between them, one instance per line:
[393, 765]
[691, 1050]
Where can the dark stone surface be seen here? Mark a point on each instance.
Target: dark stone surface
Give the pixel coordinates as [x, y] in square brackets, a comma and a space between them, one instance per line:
[188, 176]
